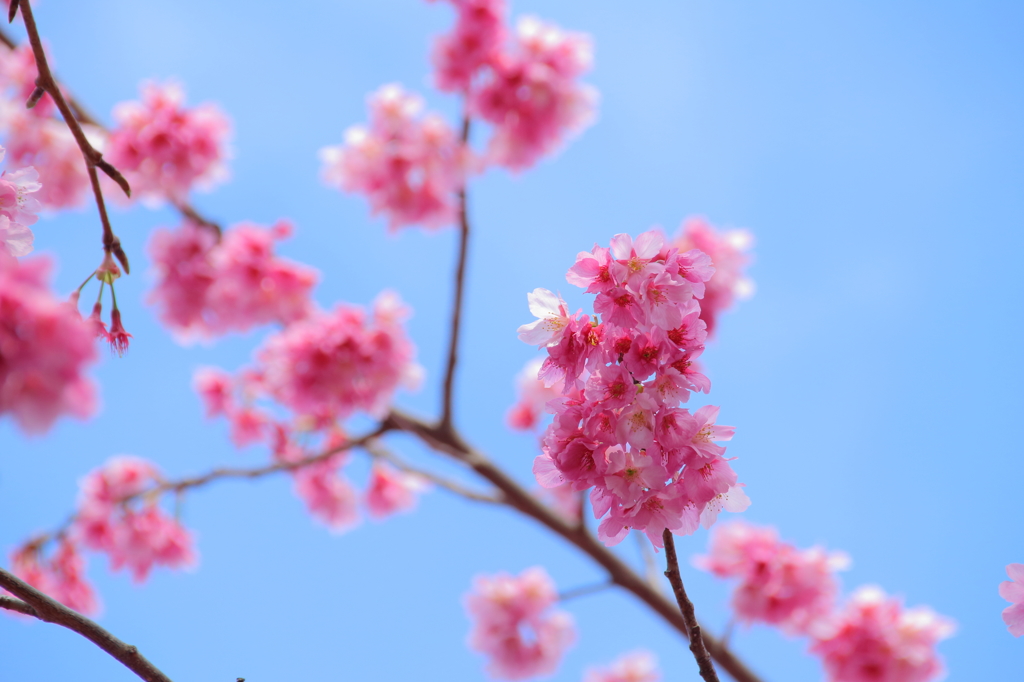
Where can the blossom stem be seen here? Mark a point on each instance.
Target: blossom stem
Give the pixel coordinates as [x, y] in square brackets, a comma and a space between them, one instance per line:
[460, 280]
[700, 653]
[32, 602]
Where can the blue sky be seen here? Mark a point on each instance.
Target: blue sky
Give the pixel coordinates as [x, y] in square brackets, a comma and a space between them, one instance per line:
[875, 149]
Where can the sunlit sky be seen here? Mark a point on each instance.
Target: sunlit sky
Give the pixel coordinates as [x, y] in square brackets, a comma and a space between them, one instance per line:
[876, 151]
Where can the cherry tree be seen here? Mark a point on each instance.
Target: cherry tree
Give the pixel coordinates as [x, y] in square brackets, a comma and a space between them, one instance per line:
[621, 439]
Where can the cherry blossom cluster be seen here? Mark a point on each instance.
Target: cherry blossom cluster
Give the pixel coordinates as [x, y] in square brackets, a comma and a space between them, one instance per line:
[163, 148]
[618, 427]
[638, 666]
[62, 576]
[523, 83]
[531, 95]
[38, 137]
[322, 369]
[514, 626]
[408, 167]
[45, 348]
[778, 584]
[18, 209]
[728, 253]
[207, 287]
[875, 638]
[872, 638]
[1012, 590]
[116, 517]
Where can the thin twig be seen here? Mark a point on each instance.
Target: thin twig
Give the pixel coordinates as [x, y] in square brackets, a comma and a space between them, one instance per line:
[700, 653]
[46, 609]
[179, 486]
[377, 451]
[651, 571]
[450, 442]
[460, 281]
[84, 117]
[585, 590]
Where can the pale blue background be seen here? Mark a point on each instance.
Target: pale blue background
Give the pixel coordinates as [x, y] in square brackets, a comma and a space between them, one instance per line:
[875, 149]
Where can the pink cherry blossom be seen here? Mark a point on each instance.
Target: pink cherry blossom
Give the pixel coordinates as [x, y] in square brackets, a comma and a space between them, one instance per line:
[533, 397]
[328, 495]
[514, 626]
[207, 287]
[215, 388]
[474, 42]
[552, 317]
[410, 169]
[164, 148]
[62, 577]
[779, 584]
[727, 251]
[334, 363]
[638, 666]
[45, 348]
[1013, 591]
[135, 533]
[875, 639]
[391, 491]
[16, 202]
[531, 94]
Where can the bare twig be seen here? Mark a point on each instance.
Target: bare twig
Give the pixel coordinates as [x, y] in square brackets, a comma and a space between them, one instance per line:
[35, 603]
[460, 280]
[700, 653]
[179, 486]
[378, 451]
[585, 590]
[452, 444]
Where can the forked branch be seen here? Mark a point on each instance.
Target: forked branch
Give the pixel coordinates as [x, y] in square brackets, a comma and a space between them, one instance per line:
[32, 602]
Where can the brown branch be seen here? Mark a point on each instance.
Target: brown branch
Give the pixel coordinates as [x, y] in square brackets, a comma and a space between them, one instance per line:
[377, 451]
[13, 604]
[452, 444]
[700, 653]
[46, 609]
[460, 281]
[82, 115]
[93, 158]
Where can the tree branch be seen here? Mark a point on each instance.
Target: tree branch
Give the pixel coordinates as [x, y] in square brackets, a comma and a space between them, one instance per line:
[93, 158]
[452, 444]
[224, 473]
[35, 603]
[460, 280]
[707, 670]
